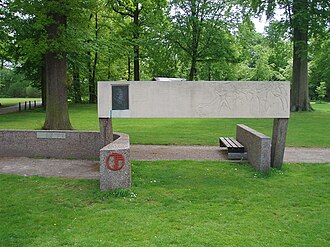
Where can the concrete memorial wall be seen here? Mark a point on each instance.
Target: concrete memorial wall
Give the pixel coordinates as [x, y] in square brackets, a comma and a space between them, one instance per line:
[187, 99]
[200, 99]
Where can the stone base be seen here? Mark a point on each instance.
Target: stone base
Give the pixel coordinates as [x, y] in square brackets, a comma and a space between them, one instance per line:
[115, 164]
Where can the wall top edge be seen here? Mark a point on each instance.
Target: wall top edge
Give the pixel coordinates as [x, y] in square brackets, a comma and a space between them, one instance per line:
[185, 82]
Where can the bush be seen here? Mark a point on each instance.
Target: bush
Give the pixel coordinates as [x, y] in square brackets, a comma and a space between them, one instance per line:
[321, 91]
[15, 85]
[17, 89]
[32, 92]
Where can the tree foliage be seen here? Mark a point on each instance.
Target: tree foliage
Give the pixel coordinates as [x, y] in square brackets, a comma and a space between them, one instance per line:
[320, 64]
[201, 30]
[304, 19]
[141, 39]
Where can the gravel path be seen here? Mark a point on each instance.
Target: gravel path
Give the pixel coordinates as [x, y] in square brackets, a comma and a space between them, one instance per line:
[88, 169]
[161, 152]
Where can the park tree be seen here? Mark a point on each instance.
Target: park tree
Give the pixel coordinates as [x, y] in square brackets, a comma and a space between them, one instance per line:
[5, 38]
[201, 30]
[132, 9]
[304, 18]
[280, 58]
[55, 58]
[93, 51]
[143, 16]
[41, 33]
[98, 48]
[320, 64]
[19, 30]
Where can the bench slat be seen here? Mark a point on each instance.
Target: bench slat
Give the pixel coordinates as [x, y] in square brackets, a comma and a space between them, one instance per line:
[224, 142]
[232, 144]
[238, 144]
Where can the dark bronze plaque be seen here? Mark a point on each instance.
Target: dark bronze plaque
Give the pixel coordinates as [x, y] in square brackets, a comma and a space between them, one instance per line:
[120, 97]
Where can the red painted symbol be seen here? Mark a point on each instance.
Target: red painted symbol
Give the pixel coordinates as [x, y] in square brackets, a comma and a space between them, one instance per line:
[115, 161]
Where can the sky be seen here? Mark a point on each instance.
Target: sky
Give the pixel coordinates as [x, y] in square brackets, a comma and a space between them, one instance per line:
[261, 23]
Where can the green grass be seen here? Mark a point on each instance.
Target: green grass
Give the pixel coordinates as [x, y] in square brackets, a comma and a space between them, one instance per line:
[172, 203]
[324, 106]
[308, 129]
[13, 101]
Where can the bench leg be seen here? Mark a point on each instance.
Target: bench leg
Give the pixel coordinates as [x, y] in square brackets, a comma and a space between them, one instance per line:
[280, 126]
[237, 156]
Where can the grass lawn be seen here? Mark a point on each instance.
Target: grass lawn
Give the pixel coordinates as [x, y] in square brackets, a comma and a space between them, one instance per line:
[308, 129]
[13, 101]
[172, 203]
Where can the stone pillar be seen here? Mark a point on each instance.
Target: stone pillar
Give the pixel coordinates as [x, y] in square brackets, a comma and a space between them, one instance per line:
[106, 130]
[280, 126]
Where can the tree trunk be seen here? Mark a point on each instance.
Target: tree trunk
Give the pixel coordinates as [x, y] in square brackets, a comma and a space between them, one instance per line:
[299, 89]
[194, 41]
[209, 74]
[193, 69]
[109, 67]
[93, 80]
[136, 46]
[136, 63]
[91, 86]
[57, 115]
[92, 70]
[128, 68]
[43, 85]
[76, 85]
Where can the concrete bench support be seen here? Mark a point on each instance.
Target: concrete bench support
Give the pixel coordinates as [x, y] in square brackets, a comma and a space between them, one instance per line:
[258, 147]
[115, 165]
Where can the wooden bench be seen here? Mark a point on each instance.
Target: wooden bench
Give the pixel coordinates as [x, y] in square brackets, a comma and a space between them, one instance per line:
[235, 149]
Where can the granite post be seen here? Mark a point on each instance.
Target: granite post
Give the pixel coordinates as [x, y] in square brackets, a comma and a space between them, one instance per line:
[115, 164]
[280, 126]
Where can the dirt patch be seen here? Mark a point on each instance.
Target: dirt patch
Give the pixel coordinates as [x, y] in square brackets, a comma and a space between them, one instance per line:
[50, 167]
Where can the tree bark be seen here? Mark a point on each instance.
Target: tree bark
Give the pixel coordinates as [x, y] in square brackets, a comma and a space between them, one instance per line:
[57, 115]
[299, 89]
